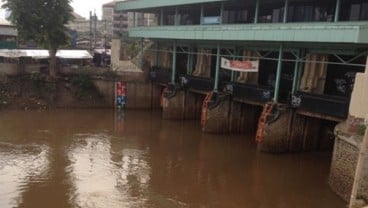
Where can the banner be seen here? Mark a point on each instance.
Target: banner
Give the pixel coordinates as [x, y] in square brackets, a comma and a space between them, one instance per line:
[241, 66]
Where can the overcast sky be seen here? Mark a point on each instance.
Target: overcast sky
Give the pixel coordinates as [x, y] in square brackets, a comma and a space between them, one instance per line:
[82, 7]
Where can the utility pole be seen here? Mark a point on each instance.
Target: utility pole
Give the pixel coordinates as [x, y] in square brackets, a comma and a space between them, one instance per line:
[90, 31]
[95, 30]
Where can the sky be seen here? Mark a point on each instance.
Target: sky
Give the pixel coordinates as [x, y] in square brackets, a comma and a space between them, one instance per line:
[81, 7]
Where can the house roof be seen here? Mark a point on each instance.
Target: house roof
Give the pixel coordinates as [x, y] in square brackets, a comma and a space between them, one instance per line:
[5, 23]
[110, 4]
[40, 54]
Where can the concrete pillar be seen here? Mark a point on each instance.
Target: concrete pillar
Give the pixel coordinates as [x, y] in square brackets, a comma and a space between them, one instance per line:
[217, 120]
[343, 165]
[173, 108]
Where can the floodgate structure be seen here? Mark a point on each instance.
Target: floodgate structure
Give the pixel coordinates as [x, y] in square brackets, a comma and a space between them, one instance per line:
[293, 65]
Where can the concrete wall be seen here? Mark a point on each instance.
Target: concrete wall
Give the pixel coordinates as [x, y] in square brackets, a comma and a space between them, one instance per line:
[348, 141]
[359, 98]
[8, 69]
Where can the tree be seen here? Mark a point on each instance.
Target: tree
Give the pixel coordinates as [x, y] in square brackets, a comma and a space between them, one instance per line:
[42, 21]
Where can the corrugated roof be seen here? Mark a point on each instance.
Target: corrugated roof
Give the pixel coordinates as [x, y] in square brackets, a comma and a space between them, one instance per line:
[5, 23]
[110, 4]
[39, 54]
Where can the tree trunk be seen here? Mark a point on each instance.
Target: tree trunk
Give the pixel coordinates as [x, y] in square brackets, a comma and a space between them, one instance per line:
[52, 66]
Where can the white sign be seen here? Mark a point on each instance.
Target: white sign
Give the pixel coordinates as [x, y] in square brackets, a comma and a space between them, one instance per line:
[241, 66]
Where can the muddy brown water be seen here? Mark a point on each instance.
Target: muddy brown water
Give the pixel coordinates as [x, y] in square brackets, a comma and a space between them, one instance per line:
[100, 158]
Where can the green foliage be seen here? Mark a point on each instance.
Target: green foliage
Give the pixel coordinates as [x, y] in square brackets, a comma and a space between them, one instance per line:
[41, 86]
[42, 21]
[83, 84]
[110, 74]
[82, 81]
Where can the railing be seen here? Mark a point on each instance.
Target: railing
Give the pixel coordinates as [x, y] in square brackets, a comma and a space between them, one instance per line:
[161, 76]
[250, 92]
[199, 83]
[323, 104]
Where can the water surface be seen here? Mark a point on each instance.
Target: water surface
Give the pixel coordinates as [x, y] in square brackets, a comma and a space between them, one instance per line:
[101, 158]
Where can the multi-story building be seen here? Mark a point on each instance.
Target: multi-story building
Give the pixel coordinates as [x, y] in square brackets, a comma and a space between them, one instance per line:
[8, 35]
[299, 54]
[286, 37]
[116, 21]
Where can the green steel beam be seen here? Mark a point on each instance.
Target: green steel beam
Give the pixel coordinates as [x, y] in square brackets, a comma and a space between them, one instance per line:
[215, 88]
[256, 12]
[134, 19]
[176, 17]
[233, 73]
[286, 8]
[142, 52]
[157, 62]
[278, 75]
[202, 13]
[296, 72]
[300, 70]
[148, 4]
[162, 16]
[189, 65]
[221, 12]
[173, 63]
[337, 10]
[341, 32]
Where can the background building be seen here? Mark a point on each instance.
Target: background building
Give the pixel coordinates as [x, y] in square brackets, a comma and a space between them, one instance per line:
[116, 22]
[8, 35]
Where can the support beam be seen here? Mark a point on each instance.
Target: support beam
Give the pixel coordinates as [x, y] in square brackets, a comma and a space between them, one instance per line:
[286, 8]
[233, 74]
[173, 63]
[221, 12]
[134, 19]
[337, 10]
[296, 72]
[189, 64]
[215, 88]
[157, 61]
[142, 52]
[162, 17]
[202, 14]
[176, 17]
[278, 75]
[256, 12]
[300, 70]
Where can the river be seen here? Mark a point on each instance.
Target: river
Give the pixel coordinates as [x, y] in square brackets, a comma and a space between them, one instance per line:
[101, 158]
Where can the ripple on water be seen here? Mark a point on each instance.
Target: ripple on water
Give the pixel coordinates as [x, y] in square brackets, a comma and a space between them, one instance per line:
[20, 165]
[102, 177]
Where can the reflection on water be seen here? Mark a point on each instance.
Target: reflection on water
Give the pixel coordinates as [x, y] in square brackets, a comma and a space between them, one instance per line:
[99, 181]
[19, 165]
[97, 158]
